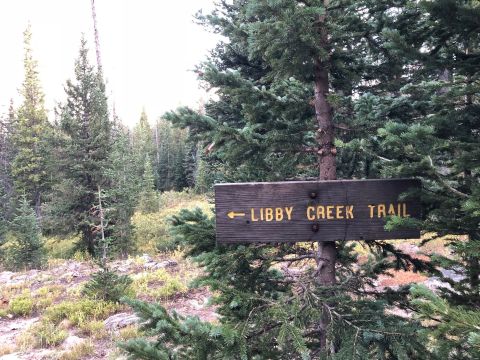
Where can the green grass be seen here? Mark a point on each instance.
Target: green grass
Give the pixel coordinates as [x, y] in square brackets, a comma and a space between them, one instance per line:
[80, 311]
[158, 285]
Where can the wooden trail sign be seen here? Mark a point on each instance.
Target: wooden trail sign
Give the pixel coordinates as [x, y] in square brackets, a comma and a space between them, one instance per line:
[312, 210]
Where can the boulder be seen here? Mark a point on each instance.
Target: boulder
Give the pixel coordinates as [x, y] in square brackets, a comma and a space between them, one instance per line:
[72, 341]
[165, 264]
[120, 320]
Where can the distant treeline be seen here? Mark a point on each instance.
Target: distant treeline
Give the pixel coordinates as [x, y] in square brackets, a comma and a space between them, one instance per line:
[63, 176]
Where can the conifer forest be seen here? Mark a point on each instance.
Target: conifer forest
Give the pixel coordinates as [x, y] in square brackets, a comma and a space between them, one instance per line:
[109, 245]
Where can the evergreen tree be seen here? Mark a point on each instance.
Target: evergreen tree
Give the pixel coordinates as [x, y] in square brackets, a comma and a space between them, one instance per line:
[455, 333]
[148, 202]
[180, 171]
[208, 171]
[26, 250]
[123, 190]
[30, 135]
[105, 284]
[287, 80]
[6, 183]
[431, 130]
[84, 147]
[164, 167]
[142, 143]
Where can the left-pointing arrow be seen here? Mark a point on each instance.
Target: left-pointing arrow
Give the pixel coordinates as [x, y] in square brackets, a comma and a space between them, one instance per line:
[233, 214]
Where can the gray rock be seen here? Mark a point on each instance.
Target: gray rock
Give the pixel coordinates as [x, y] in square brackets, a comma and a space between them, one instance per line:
[6, 276]
[150, 265]
[120, 320]
[434, 283]
[165, 264]
[453, 274]
[146, 258]
[72, 341]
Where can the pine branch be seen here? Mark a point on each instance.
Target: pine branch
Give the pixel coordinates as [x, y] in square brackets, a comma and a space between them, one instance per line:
[443, 182]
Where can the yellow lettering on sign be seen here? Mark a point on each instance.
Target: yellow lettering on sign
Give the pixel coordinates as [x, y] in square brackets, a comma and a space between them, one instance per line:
[310, 213]
[391, 210]
[271, 214]
[289, 210]
[268, 214]
[320, 212]
[349, 212]
[252, 215]
[405, 214]
[339, 212]
[381, 210]
[330, 212]
[278, 214]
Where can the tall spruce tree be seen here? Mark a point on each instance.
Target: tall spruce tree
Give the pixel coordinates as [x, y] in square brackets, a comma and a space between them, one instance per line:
[85, 144]
[172, 171]
[431, 130]
[148, 200]
[122, 194]
[142, 143]
[6, 182]
[286, 81]
[30, 135]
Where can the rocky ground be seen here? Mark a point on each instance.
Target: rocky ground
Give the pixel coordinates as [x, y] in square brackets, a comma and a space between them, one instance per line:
[63, 280]
[159, 279]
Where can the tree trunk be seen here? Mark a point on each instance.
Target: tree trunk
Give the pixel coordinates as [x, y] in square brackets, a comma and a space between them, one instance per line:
[38, 206]
[327, 251]
[97, 41]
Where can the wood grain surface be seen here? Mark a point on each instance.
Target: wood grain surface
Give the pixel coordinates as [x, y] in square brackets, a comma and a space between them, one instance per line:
[313, 210]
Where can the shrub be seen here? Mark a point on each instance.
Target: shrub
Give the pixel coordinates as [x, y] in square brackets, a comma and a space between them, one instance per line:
[21, 305]
[79, 351]
[94, 328]
[41, 335]
[151, 231]
[108, 286]
[158, 285]
[80, 311]
[129, 332]
[61, 248]
[47, 334]
[45, 296]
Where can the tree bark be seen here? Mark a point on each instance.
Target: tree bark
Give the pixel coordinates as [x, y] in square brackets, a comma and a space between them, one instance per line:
[38, 206]
[327, 251]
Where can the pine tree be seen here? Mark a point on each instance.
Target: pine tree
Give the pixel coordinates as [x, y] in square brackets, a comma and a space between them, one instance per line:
[26, 250]
[6, 182]
[142, 143]
[165, 156]
[84, 147]
[30, 135]
[148, 202]
[173, 166]
[453, 332]
[105, 284]
[431, 130]
[287, 80]
[122, 195]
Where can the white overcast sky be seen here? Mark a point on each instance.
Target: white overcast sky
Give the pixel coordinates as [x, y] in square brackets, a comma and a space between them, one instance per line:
[148, 48]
